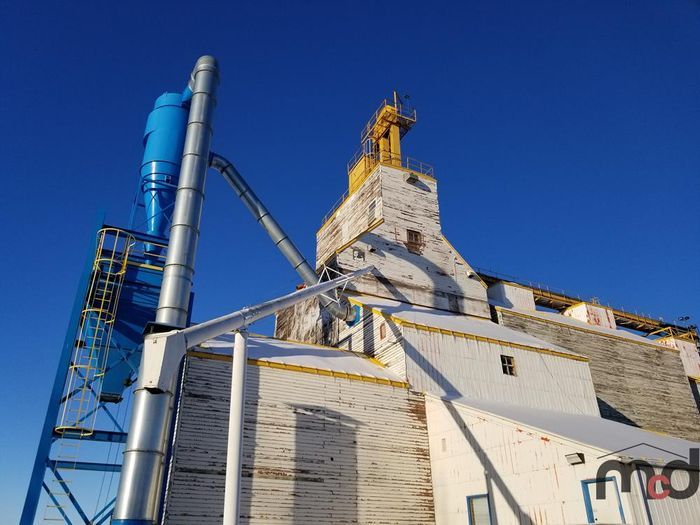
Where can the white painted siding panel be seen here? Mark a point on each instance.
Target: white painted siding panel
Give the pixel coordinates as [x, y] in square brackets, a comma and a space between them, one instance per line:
[366, 337]
[444, 365]
[511, 296]
[525, 472]
[668, 510]
[317, 449]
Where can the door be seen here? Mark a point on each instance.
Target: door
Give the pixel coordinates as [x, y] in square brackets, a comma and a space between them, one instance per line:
[606, 510]
[478, 510]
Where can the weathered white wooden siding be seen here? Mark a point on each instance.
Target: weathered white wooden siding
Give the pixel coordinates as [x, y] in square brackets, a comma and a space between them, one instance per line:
[511, 295]
[524, 472]
[317, 450]
[354, 216]
[637, 382]
[306, 322]
[444, 364]
[365, 337]
[436, 277]
[688, 352]
[592, 314]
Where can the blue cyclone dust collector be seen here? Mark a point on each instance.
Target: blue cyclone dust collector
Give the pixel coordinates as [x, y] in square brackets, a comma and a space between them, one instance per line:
[87, 414]
[138, 279]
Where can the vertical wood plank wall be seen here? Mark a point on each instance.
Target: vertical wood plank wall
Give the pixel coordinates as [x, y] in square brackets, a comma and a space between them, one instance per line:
[317, 450]
[637, 384]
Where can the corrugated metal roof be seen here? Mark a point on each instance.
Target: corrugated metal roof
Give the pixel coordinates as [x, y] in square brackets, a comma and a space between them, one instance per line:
[312, 357]
[575, 323]
[617, 439]
[454, 322]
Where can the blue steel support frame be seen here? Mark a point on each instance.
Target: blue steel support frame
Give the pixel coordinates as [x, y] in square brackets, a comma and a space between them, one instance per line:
[56, 502]
[160, 168]
[54, 468]
[46, 438]
[106, 509]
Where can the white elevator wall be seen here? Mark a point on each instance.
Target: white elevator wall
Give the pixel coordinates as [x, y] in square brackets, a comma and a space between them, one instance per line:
[446, 365]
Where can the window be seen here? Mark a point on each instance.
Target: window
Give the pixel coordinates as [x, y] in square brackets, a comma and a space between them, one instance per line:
[414, 241]
[372, 211]
[508, 365]
[478, 510]
[382, 331]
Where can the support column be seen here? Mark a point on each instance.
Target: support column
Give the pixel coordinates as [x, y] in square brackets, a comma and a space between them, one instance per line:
[234, 450]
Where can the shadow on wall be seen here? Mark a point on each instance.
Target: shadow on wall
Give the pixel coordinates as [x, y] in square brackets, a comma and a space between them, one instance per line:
[312, 481]
[439, 278]
[326, 471]
[609, 412]
[248, 464]
[695, 388]
[490, 471]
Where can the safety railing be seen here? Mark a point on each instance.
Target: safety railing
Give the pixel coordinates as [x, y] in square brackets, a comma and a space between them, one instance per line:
[373, 158]
[335, 207]
[418, 166]
[650, 324]
[401, 109]
[83, 384]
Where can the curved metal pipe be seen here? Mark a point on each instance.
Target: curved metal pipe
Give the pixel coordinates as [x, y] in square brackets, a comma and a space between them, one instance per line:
[340, 308]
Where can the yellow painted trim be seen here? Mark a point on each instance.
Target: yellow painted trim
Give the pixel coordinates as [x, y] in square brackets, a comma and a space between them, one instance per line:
[304, 369]
[451, 246]
[144, 265]
[465, 335]
[323, 347]
[685, 336]
[371, 227]
[582, 329]
[694, 378]
[379, 363]
[579, 303]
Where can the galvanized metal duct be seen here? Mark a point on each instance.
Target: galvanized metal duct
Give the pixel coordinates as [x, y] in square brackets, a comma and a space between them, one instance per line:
[138, 497]
[340, 307]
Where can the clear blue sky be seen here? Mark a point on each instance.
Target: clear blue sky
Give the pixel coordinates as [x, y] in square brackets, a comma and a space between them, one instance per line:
[564, 136]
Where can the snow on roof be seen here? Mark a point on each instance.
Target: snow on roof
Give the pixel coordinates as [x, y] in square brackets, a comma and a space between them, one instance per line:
[570, 321]
[610, 437]
[454, 322]
[291, 354]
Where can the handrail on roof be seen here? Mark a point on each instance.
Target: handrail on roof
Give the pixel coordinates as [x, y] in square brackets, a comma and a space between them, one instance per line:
[402, 110]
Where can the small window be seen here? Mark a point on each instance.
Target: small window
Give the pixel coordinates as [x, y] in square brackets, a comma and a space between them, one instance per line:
[478, 510]
[382, 331]
[414, 241]
[508, 365]
[372, 211]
